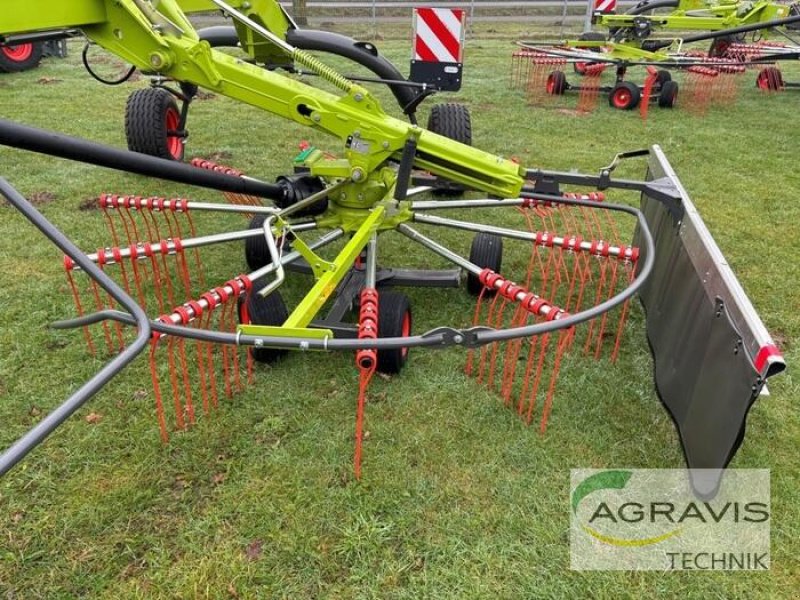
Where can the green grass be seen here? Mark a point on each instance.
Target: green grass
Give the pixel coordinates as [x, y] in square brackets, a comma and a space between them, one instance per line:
[459, 499]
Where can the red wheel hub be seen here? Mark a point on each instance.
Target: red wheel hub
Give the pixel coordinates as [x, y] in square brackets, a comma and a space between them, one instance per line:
[621, 98]
[174, 141]
[18, 53]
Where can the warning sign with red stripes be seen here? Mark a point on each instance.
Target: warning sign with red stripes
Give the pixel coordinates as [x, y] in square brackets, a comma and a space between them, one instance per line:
[604, 6]
[438, 47]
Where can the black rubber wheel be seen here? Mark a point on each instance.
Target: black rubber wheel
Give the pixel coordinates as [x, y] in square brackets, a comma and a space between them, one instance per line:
[394, 320]
[770, 79]
[556, 83]
[256, 253]
[662, 77]
[264, 311]
[452, 121]
[21, 57]
[668, 96]
[487, 252]
[624, 96]
[152, 120]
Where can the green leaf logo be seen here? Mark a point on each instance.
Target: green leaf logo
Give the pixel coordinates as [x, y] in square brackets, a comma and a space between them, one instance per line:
[615, 480]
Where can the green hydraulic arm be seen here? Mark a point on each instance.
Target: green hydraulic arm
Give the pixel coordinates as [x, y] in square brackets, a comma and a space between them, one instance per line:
[157, 37]
[691, 15]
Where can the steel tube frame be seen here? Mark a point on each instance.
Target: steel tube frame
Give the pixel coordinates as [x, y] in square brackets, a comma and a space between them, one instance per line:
[19, 449]
[526, 236]
[189, 243]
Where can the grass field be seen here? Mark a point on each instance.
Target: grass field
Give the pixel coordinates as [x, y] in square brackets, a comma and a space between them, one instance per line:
[459, 499]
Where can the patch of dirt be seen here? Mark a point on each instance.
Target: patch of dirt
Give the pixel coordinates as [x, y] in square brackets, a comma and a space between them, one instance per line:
[220, 155]
[134, 568]
[90, 203]
[781, 339]
[254, 549]
[93, 418]
[48, 80]
[42, 198]
[201, 95]
[571, 112]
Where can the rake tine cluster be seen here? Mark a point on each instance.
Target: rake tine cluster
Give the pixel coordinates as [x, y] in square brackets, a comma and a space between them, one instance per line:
[700, 82]
[590, 87]
[214, 310]
[521, 61]
[647, 91]
[576, 260]
[131, 219]
[367, 362]
[164, 276]
[572, 267]
[538, 91]
[744, 52]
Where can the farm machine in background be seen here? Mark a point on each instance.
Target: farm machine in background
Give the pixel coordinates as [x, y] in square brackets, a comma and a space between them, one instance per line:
[549, 292]
[25, 52]
[639, 38]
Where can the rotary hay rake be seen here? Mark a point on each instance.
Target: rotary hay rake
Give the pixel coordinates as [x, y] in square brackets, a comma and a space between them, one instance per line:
[710, 77]
[576, 259]
[542, 73]
[567, 255]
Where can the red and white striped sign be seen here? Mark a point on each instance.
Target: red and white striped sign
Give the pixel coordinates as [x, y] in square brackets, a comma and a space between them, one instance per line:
[604, 6]
[439, 34]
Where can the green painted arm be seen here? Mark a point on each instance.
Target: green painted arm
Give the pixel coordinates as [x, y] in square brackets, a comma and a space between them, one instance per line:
[722, 15]
[157, 37]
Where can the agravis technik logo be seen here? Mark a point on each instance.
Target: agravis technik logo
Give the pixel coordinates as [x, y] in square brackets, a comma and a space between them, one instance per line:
[650, 519]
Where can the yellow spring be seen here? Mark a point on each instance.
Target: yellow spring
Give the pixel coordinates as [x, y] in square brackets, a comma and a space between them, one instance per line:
[317, 66]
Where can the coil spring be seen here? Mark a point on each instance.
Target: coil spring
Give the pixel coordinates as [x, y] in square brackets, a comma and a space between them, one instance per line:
[321, 69]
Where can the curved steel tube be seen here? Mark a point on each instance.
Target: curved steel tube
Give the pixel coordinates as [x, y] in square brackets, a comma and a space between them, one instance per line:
[439, 337]
[19, 449]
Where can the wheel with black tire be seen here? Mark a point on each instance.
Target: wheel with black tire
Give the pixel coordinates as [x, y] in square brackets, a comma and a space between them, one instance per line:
[21, 57]
[394, 320]
[770, 79]
[556, 83]
[662, 77]
[624, 96]
[486, 252]
[453, 121]
[152, 124]
[271, 310]
[668, 96]
[256, 252]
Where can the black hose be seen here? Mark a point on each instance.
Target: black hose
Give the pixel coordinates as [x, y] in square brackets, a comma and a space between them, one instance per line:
[646, 6]
[25, 137]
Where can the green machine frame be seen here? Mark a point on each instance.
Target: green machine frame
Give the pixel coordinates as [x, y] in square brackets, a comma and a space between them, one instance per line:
[367, 192]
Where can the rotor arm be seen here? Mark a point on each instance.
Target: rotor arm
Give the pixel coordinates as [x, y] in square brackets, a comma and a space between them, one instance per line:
[157, 38]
